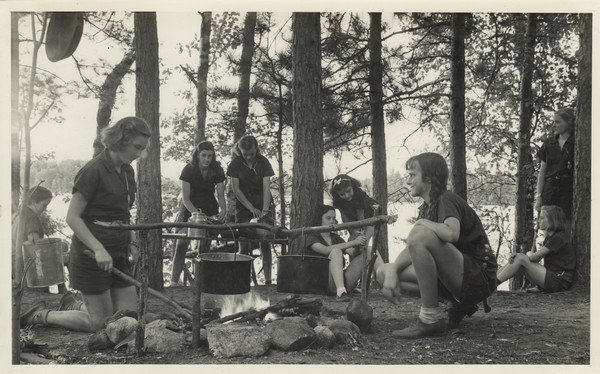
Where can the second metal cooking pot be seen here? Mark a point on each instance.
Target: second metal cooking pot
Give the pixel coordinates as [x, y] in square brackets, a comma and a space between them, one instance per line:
[302, 274]
[224, 273]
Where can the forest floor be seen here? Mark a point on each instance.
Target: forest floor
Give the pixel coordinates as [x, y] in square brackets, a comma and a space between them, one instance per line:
[522, 328]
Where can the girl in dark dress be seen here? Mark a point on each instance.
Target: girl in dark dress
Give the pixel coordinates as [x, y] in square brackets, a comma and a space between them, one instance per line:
[199, 178]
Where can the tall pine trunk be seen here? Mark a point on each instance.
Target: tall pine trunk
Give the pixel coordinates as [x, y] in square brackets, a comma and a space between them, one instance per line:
[307, 185]
[147, 88]
[15, 183]
[202, 84]
[458, 173]
[525, 169]
[581, 225]
[108, 94]
[378, 147]
[243, 99]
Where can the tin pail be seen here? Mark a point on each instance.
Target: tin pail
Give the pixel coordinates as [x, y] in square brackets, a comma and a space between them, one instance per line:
[47, 267]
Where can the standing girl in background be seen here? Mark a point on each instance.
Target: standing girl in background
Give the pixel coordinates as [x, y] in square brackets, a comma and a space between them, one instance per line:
[558, 271]
[447, 253]
[555, 178]
[250, 174]
[199, 178]
[354, 205]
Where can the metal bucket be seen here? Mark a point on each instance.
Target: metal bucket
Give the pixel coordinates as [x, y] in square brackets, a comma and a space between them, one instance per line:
[224, 273]
[303, 274]
[47, 268]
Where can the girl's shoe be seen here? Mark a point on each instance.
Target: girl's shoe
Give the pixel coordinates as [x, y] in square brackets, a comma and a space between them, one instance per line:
[420, 330]
[343, 297]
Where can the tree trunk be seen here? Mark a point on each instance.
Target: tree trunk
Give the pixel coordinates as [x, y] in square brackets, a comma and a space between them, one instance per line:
[147, 88]
[581, 225]
[108, 93]
[525, 170]
[201, 85]
[307, 186]
[458, 174]
[15, 127]
[243, 99]
[378, 147]
[280, 170]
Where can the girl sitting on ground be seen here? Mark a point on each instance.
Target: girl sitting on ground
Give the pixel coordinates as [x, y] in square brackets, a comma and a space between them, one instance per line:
[354, 205]
[559, 257]
[448, 253]
[332, 246]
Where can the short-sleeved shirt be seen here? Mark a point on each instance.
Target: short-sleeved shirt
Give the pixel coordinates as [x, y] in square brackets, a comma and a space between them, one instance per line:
[360, 201]
[109, 194]
[202, 191]
[472, 239]
[561, 256]
[251, 178]
[317, 238]
[559, 162]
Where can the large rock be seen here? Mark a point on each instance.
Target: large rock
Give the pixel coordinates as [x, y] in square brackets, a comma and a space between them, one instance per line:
[231, 340]
[290, 335]
[325, 337]
[160, 337]
[121, 328]
[345, 331]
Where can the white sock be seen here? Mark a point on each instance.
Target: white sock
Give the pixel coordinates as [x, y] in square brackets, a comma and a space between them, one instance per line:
[340, 290]
[431, 315]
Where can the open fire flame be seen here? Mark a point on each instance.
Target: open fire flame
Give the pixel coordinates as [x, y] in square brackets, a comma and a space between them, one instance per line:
[233, 304]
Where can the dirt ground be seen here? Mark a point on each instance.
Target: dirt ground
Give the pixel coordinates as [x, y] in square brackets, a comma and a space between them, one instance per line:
[522, 328]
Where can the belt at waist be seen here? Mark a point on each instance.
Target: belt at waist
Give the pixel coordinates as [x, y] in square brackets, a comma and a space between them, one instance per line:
[559, 177]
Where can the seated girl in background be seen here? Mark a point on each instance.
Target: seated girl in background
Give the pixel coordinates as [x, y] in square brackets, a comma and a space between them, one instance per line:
[199, 178]
[354, 205]
[332, 246]
[560, 259]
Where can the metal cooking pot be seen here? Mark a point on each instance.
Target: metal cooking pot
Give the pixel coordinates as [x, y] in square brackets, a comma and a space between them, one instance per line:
[303, 274]
[224, 273]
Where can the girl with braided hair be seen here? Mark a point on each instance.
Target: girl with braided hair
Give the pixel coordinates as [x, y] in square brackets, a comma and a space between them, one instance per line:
[447, 254]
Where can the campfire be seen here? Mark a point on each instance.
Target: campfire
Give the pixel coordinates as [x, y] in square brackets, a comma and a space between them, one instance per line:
[232, 304]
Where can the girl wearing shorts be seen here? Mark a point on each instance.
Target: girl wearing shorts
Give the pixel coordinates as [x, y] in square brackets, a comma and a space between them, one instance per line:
[199, 178]
[560, 260]
[447, 255]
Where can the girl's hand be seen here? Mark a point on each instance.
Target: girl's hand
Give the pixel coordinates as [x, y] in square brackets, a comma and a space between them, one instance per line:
[257, 213]
[221, 216]
[360, 240]
[134, 252]
[391, 286]
[103, 259]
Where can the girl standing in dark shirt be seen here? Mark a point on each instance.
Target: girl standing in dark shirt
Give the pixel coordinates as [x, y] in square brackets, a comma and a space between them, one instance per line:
[555, 178]
[199, 178]
[251, 174]
[447, 255]
[558, 271]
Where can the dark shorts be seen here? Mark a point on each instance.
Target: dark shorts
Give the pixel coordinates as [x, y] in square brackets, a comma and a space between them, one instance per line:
[84, 273]
[557, 282]
[476, 285]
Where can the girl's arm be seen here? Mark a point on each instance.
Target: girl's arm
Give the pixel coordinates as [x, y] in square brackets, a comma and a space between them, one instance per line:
[540, 186]
[448, 232]
[222, 201]
[76, 223]
[326, 250]
[235, 184]
[266, 182]
[538, 255]
[185, 188]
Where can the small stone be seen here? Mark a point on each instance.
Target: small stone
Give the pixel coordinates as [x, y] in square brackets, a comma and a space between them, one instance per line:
[325, 337]
[290, 335]
[159, 337]
[345, 331]
[121, 328]
[99, 341]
